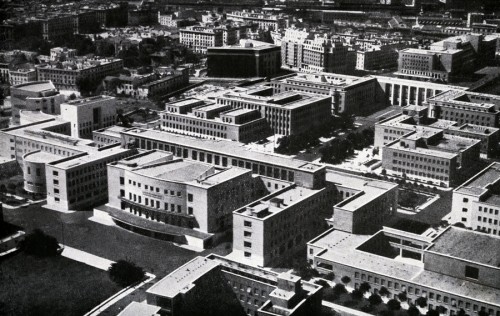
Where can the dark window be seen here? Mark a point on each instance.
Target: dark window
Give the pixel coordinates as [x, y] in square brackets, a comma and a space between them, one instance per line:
[471, 272]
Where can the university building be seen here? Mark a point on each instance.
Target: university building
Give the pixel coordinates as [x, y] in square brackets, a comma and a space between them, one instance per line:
[476, 203]
[216, 121]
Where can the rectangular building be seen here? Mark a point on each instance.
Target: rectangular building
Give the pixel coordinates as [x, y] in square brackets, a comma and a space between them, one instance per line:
[199, 38]
[22, 76]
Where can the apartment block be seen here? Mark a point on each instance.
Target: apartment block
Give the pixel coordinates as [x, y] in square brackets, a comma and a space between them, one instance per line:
[349, 94]
[444, 268]
[254, 59]
[65, 75]
[476, 203]
[215, 121]
[246, 289]
[176, 199]
[287, 113]
[272, 229]
[431, 156]
[225, 153]
[35, 96]
[199, 38]
[89, 114]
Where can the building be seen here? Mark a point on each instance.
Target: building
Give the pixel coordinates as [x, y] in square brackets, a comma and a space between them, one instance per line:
[431, 156]
[243, 289]
[254, 59]
[225, 153]
[62, 53]
[216, 121]
[476, 202]
[265, 21]
[310, 52]
[56, 26]
[89, 114]
[199, 38]
[4, 72]
[287, 113]
[21, 76]
[164, 85]
[66, 75]
[394, 127]
[107, 136]
[446, 270]
[177, 199]
[381, 57]
[35, 96]
[349, 94]
[271, 230]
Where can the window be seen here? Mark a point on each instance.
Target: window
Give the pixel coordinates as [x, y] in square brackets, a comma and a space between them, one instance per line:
[122, 181]
[55, 173]
[56, 182]
[247, 234]
[247, 254]
[56, 190]
[471, 272]
[247, 224]
[190, 210]
[190, 197]
[179, 208]
[247, 244]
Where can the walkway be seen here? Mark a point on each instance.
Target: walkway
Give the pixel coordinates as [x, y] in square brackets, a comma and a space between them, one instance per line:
[87, 258]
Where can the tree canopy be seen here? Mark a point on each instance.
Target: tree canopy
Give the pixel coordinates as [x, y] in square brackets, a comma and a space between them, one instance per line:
[125, 273]
[40, 244]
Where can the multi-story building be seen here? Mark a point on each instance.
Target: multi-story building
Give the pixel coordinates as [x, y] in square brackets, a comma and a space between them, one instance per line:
[274, 228]
[216, 121]
[199, 38]
[381, 57]
[476, 203]
[62, 53]
[65, 75]
[287, 113]
[394, 127]
[446, 270]
[89, 114]
[177, 199]
[254, 59]
[265, 21]
[309, 52]
[21, 76]
[225, 153]
[35, 96]
[56, 26]
[431, 156]
[465, 107]
[107, 136]
[4, 72]
[243, 289]
[178, 79]
[349, 94]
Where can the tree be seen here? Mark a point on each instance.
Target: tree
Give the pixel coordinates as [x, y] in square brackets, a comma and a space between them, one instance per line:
[330, 276]
[304, 270]
[413, 311]
[482, 312]
[402, 296]
[339, 289]
[345, 279]
[461, 312]
[393, 305]
[322, 282]
[364, 287]
[432, 312]
[72, 96]
[384, 291]
[421, 301]
[375, 299]
[357, 295]
[40, 244]
[125, 273]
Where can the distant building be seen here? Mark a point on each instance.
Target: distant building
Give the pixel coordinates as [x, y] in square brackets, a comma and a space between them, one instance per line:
[199, 38]
[89, 114]
[21, 76]
[382, 57]
[264, 20]
[254, 59]
[476, 203]
[62, 53]
[216, 121]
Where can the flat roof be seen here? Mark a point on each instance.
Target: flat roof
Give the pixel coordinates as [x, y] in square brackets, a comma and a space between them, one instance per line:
[181, 280]
[464, 244]
[238, 112]
[176, 170]
[224, 147]
[82, 102]
[36, 86]
[41, 157]
[92, 156]
[139, 309]
[327, 79]
[288, 99]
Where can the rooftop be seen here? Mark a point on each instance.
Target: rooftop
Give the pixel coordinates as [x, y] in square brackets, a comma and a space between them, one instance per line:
[93, 156]
[90, 100]
[41, 157]
[288, 99]
[36, 86]
[139, 309]
[463, 244]
[326, 79]
[482, 181]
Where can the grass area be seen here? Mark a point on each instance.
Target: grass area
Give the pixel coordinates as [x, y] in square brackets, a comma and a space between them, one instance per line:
[51, 286]
[411, 199]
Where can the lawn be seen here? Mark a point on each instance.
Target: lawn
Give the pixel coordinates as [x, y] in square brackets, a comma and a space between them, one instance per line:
[51, 286]
[411, 199]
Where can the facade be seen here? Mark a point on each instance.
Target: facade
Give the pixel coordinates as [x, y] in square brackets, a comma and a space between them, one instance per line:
[21, 76]
[4, 73]
[445, 270]
[349, 94]
[254, 59]
[476, 202]
[383, 57]
[287, 113]
[176, 80]
[431, 156]
[272, 229]
[263, 20]
[250, 290]
[35, 96]
[89, 114]
[67, 74]
[309, 52]
[176, 199]
[216, 121]
[199, 38]
[225, 153]
[57, 26]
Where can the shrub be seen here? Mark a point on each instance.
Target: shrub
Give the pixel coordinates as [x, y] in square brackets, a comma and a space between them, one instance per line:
[40, 244]
[330, 276]
[322, 282]
[393, 305]
[339, 289]
[345, 279]
[413, 311]
[402, 296]
[421, 302]
[357, 294]
[384, 291]
[350, 303]
[329, 295]
[125, 273]
[364, 287]
[375, 299]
